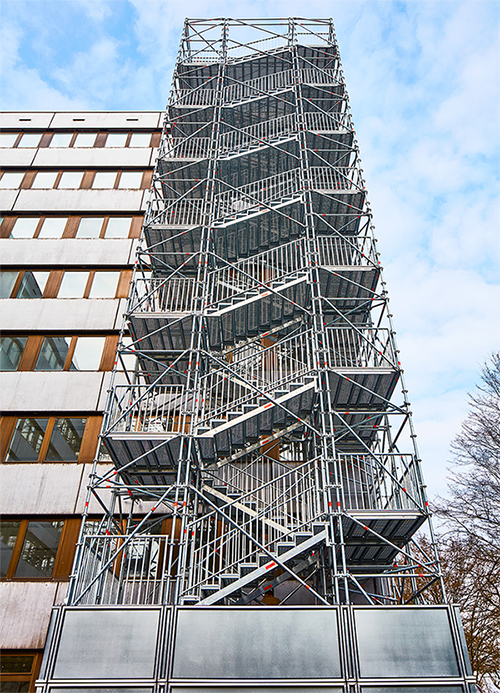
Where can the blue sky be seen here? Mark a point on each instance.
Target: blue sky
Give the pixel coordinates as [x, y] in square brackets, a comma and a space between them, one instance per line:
[423, 79]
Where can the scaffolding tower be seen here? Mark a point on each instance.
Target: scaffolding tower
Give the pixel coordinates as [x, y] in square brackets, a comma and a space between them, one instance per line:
[258, 424]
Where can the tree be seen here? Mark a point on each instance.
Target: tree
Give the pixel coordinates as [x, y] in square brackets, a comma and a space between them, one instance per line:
[470, 547]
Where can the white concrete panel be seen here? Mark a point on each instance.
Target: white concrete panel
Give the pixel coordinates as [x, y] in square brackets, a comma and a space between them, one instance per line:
[92, 157]
[133, 251]
[40, 489]
[28, 120]
[25, 614]
[60, 314]
[79, 201]
[146, 195]
[123, 120]
[120, 313]
[17, 157]
[95, 508]
[50, 391]
[153, 157]
[73, 251]
[7, 199]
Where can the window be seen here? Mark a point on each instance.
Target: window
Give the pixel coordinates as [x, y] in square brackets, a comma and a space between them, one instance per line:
[140, 139]
[25, 227]
[61, 139]
[130, 179]
[118, 227]
[7, 139]
[87, 353]
[19, 670]
[70, 180]
[116, 139]
[11, 181]
[44, 180]
[89, 227]
[11, 350]
[51, 439]
[30, 139]
[104, 179]
[37, 548]
[85, 139]
[73, 285]
[104, 285]
[53, 354]
[32, 284]
[7, 280]
[52, 227]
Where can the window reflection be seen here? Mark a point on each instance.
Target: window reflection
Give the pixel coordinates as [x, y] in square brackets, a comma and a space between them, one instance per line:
[61, 139]
[11, 181]
[70, 180]
[7, 281]
[38, 554]
[8, 535]
[11, 350]
[32, 284]
[53, 353]
[89, 227]
[8, 139]
[27, 440]
[87, 354]
[140, 139]
[104, 179]
[66, 440]
[25, 227]
[118, 227]
[44, 180]
[53, 227]
[30, 139]
[130, 179]
[85, 139]
[116, 139]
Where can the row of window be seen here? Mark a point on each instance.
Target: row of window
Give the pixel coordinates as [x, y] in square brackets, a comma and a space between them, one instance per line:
[64, 284]
[57, 353]
[70, 227]
[32, 140]
[49, 438]
[19, 670]
[74, 180]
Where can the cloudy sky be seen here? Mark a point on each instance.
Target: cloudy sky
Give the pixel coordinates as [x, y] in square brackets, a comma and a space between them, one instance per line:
[423, 80]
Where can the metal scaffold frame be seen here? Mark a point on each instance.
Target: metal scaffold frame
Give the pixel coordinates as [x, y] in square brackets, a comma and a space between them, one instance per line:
[260, 437]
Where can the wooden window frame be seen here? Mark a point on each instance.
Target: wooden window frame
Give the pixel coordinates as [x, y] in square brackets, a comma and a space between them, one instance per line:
[72, 224]
[87, 448]
[65, 553]
[35, 668]
[55, 278]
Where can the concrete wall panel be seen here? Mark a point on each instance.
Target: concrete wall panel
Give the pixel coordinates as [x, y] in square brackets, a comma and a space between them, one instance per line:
[25, 613]
[17, 157]
[79, 201]
[92, 157]
[8, 199]
[61, 314]
[40, 252]
[50, 391]
[40, 489]
[26, 120]
[124, 120]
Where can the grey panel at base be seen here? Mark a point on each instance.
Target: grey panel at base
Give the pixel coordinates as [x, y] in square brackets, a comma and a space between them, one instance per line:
[405, 643]
[107, 643]
[257, 644]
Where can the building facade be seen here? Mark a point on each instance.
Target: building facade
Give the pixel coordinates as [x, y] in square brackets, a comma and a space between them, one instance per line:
[252, 516]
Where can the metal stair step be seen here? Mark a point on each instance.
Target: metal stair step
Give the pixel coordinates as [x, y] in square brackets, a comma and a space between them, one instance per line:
[228, 578]
[284, 546]
[301, 537]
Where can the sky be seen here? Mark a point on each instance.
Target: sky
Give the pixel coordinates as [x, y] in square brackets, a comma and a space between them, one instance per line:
[423, 79]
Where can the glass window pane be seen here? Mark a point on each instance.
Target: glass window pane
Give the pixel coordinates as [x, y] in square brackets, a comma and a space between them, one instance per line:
[61, 139]
[85, 139]
[87, 354]
[24, 227]
[116, 139]
[7, 281]
[104, 285]
[53, 227]
[70, 180]
[32, 284]
[11, 350]
[140, 139]
[89, 227]
[14, 686]
[130, 179]
[11, 180]
[38, 554]
[44, 180]
[53, 354]
[73, 285]
[118, 227]
[8, 139]
[16, 664]
[8, 536]
[27, 440]
[30, 139]
[104, 179]
[66, 440]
